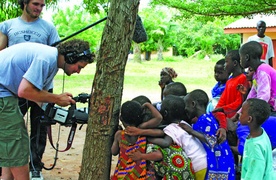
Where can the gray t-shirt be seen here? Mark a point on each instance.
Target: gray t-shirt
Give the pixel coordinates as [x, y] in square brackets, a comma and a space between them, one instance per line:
[18, 31]
[35, 62]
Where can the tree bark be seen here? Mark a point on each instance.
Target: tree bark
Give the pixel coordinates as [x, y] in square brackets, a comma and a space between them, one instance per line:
[160, 50]
[137, 53]
[107, 89]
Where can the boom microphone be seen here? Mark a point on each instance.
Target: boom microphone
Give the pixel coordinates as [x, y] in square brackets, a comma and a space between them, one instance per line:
[139, 36]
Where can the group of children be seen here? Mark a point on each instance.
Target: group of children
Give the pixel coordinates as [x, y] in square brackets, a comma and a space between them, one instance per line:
[186, 136]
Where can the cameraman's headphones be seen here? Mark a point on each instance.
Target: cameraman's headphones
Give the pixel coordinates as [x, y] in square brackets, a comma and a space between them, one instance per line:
[73, 57]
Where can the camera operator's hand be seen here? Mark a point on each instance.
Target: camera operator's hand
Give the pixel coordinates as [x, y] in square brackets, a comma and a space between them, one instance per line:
[65, 99]
[28, 91]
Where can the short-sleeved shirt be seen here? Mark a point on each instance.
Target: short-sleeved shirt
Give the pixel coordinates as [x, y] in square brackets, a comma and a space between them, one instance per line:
[191, 145]
[219, 156]
[35, 62]
[257, 159]
[19, 31]
[267, 45]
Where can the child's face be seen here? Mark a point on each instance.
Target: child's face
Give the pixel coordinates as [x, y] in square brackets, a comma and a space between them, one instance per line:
[244, 60]
[165, 78]
[229, 64]
[244, 116]
[221, 74]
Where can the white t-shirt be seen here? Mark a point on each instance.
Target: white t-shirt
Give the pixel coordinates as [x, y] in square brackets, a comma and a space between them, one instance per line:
[19, 31]
[267, 46]
[191, 145]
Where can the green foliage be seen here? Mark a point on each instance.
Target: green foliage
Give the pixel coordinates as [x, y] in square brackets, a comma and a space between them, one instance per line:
[208, 37]
[173, 59]
[222, 8]
[188, 8]
[158, 23]
[201, 31]
[95, 6]
[9, 9]
[189, 35]
[71, 20]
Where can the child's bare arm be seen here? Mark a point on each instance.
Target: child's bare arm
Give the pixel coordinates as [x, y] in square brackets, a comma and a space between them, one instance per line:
[155, 121]
[134, 131]
[115, 146]
[192, 132]
[153, 156]
[235, 150]
[162, 142]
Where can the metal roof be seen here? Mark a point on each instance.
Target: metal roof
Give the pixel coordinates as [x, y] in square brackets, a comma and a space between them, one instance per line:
[270, 21]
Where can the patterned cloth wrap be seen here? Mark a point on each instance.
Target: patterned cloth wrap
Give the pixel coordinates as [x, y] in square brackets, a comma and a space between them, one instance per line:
[175, 164]
[126, 168]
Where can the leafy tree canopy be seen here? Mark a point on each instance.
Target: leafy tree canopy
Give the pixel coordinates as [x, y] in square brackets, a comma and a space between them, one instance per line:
[158, 24]
[189, 8]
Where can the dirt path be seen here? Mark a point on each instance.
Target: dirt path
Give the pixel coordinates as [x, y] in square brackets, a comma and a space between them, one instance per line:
[69, 162]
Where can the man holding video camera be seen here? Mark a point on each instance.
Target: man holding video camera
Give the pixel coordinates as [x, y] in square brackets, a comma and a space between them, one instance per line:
[29, 27]
[27, 71]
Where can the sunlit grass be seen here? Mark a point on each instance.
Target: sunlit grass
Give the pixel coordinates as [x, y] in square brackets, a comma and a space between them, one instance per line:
[142, 78]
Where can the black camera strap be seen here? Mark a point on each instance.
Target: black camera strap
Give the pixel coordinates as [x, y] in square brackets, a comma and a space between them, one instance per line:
[69, 140]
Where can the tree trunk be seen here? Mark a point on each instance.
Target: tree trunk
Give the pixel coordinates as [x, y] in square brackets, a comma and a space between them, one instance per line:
[160, 50]
[147, 55]
[137, 53]
[107, 89]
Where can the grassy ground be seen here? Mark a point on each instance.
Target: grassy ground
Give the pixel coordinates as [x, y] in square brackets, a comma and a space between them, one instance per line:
[142, 78]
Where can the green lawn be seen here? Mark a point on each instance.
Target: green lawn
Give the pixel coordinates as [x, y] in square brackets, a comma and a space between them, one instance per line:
[142, 78]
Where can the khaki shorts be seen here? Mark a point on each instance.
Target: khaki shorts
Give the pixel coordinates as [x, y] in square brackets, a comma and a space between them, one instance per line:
[14, 140]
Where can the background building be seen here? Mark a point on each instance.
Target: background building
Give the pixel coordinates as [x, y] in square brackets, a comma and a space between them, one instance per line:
[247, 27]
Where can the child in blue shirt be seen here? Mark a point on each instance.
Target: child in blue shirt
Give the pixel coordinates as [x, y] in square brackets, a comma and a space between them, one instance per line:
[220, 160]
[221, 77]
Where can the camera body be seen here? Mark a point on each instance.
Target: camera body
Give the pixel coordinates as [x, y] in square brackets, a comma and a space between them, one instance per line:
[55, 114]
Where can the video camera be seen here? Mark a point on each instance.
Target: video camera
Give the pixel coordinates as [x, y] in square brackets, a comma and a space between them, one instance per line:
[54, 114]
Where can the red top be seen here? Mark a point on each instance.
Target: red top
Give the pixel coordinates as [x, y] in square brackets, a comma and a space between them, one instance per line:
[231, 99]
